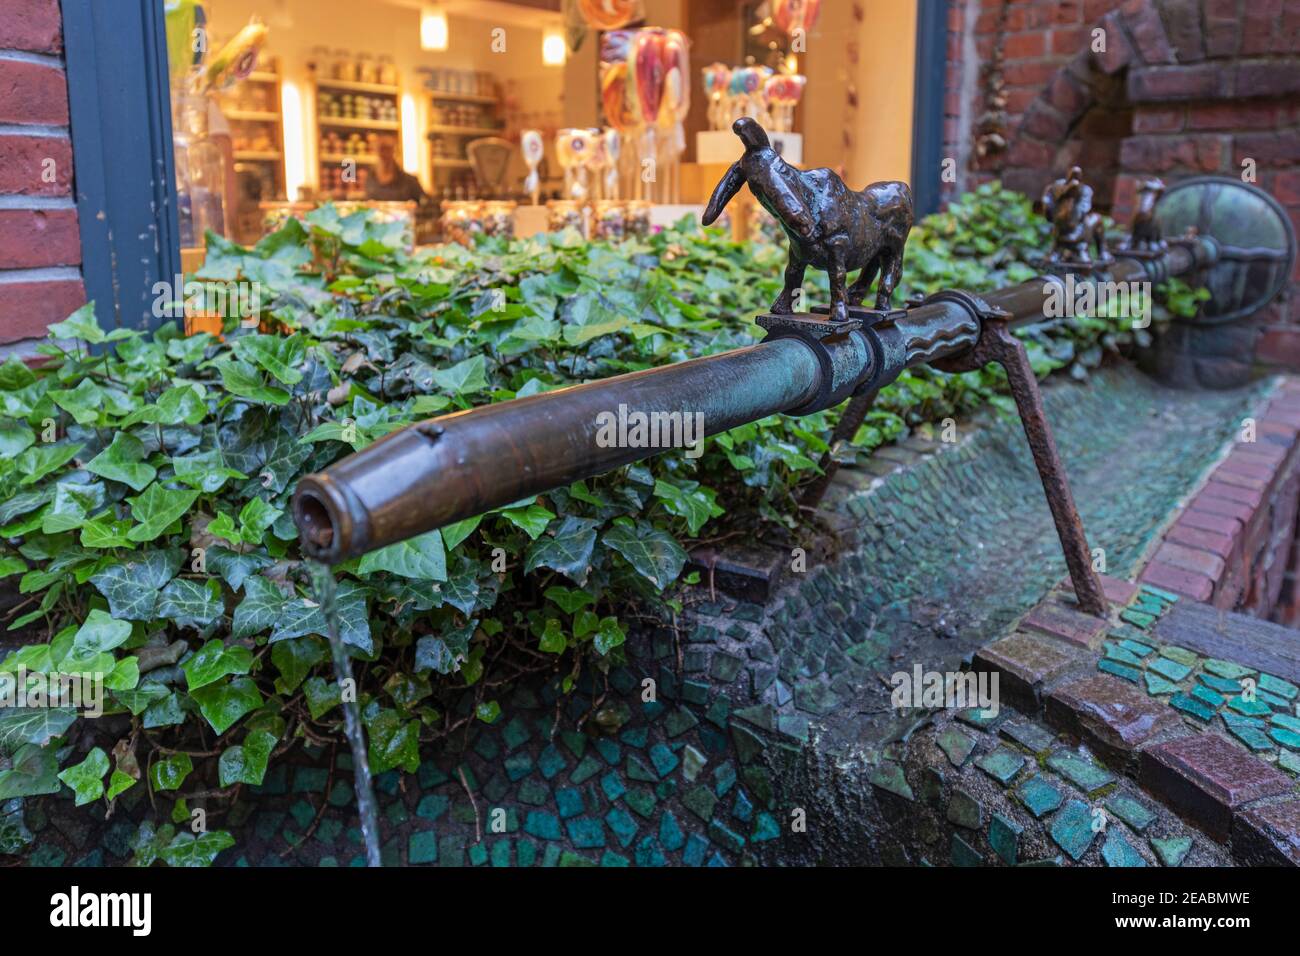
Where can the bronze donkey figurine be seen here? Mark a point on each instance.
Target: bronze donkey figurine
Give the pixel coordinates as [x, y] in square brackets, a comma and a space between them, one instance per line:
[830, 227]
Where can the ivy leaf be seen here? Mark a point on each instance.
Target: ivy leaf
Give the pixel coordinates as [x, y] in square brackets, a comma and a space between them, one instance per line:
[104, 531]
[87, 778]
[609, 636]
[178, 405]
[532, 519]
[33, 725]
[118, 784]
[99, 633]
[454, 534]
[442, 652]
[156, 510]
[123, 461]
[394, 742]
[421, 557]
[689, 500]
[73, 503]
[277, 354]
[655, 554]
[85, 403]
[569, 600]
[191, 604]
[40, 460]
[186, 849]
[294, 659]
[139, 699]
[255, 517]
[488, 711]
[235, 568]
[223, 704]
[246, 762]
[322, 696]
[34, 772]
[206, 471]
[10, 565]
[552, 640]
[215, 660]
[244, 380]
[133, 587]
[461, 590]
[261, 608]
[567, 551]
[463, 378]
[170, 772]
[80, 324]
[15, 438]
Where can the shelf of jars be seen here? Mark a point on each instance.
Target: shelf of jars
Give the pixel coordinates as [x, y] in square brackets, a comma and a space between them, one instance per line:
[464, 105]
[358, 100]
[251, 109]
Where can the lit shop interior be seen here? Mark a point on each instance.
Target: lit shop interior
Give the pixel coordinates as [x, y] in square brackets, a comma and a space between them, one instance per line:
[482, 116]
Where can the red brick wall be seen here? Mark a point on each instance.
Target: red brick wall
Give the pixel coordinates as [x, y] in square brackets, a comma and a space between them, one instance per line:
[1235, 545]
[1184, 87]
[40, 245]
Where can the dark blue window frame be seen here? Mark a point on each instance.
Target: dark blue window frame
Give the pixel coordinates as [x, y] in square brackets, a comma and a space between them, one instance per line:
[120, 116]
[928, 103]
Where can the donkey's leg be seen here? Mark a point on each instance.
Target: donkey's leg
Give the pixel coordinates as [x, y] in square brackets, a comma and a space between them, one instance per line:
[839, 294]
[794, 270]
[862, 284]
[891, 270]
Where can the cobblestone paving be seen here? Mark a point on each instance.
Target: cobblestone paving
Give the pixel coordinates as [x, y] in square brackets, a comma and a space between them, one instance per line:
[773, 712]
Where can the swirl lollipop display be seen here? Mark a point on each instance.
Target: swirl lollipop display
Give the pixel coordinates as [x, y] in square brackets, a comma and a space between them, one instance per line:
[610, 148]
[610, 14]
[575, 149]
[792, 15]
[531, 145]
[782, 93]
[746, 89]
[717, 77]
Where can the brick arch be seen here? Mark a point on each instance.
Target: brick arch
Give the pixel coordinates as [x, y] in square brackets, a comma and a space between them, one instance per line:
[1184, 87]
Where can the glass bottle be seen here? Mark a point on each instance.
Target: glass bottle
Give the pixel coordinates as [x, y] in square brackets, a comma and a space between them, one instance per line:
[200, 173]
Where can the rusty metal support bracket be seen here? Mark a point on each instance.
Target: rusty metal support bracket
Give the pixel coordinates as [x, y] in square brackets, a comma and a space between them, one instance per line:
[998, 344]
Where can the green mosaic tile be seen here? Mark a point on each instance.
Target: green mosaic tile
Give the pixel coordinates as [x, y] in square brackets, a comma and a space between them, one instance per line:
[1273, 701]
[551, 762]
[1249, 708]
[956, 745]
[637, 770]
[611, 859]
[1236, 720]
[1072, 829]
[1166, 596]
[621, 822]
[671, 837]
[1227, 669]
[648, 853]
[543, 825]
[1207, 696]
[478, 854]
[965, 811]
[1190, 705]
[963, 854]
[1180, 654]
[1031, 736]
[642, 802]
[500, 854]
[1275, 685]
[724, 778]
[888, 775]
[725, 667]
[1002, 765]
[526, 853]
[692, 763]
[587, 768]
[726, 836]
[1171, 850]
[1004, 838]
[1137, 648]
[765, 827]
[422, 848]
[1130, 811]
[1115, 652]
[568, 800]
[696, 847]
[515, 733]
[1084, 774]
[1289, 761]
[1170, 669]
[663, 759]
[575, 742]
[1287, 738]
[1255, 739]
[586, 833]
[519, 765]
[700, 801]
[1117, 851]
[1287, 721]
[1137, 618]
[310, 779]
[1122, 671]
[976, 717]
[1157, 686]
[1220, 684]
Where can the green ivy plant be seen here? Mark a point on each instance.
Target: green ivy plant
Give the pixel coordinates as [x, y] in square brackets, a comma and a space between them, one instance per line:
[145, 484]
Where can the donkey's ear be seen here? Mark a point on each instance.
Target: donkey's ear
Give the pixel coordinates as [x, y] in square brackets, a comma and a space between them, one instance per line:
[727, 187]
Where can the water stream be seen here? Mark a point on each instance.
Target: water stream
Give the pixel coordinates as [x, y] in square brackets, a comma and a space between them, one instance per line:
[324, 585]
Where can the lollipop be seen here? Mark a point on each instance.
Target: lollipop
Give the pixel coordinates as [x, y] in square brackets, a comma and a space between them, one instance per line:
[236, 60]
[612, 146]
[677, 79]
[717, 76]
[792, 15]
[530, 143]
[647, 66]
[614, 97]
[575, 149]
[610, 14]
[782, 92]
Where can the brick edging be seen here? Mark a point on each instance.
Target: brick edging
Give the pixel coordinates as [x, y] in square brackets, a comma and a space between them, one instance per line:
[1231, 542]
